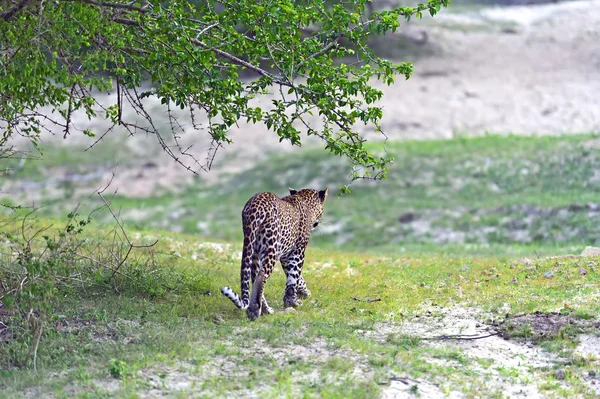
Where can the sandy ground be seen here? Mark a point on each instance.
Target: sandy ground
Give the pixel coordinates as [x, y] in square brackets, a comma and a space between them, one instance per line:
[529, 70]
[523, 69]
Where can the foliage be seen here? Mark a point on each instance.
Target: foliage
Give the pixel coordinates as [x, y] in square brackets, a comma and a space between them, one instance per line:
[57, 54]
[39, 260]
[31, 275]
[117, 368]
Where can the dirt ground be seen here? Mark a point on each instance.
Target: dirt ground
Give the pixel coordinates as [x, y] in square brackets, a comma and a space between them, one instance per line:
[465, 330]
[513, 368]
[526, 70]
[523, 69]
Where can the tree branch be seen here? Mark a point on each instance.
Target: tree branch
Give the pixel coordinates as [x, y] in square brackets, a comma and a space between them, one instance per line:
[8, 14]
[240, 62]
[126, 6]
[322, 51]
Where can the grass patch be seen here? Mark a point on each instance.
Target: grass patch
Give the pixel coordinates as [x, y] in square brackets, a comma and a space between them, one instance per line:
[36, 166]
[491, 195]
[124, 339]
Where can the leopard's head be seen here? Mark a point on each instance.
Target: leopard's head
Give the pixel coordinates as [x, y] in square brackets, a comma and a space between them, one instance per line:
[312, 201]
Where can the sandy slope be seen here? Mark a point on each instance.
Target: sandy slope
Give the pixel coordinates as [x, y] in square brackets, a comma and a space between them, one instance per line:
[530, 70]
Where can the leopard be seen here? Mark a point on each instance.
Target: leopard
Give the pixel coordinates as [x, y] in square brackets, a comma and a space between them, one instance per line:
[276, 229]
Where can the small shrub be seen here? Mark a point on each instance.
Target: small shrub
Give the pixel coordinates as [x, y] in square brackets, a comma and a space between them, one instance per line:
[118, 369]
[35, 263]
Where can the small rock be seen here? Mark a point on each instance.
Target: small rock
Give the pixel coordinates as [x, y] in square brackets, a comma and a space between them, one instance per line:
[591, 251]
[526, 261]
[510, 30]
[149, 165]
[407, 218]
[560, 374]
[582, 271]
[592, 373]
[548, 274]
[217, 319]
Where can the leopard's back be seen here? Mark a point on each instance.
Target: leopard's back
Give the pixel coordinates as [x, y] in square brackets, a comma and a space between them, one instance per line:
[271, 222]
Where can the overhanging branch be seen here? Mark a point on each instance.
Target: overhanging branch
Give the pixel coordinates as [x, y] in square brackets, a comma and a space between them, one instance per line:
[8, 14]
[125, 6]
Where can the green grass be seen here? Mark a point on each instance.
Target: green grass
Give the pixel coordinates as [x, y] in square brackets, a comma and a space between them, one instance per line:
[492, 195]
[442, 233]
[36, 166]
[130, 337]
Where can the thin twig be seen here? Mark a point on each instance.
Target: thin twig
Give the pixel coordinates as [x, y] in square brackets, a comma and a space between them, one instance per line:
[131, 245]
[367, 300]
[461, 337]
[37, 344]
[126, 6]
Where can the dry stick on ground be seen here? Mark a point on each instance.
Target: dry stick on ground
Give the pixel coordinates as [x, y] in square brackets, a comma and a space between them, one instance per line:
[405, 380]
[35, 321]
[39, 325]
[367, 300]
[36, 327]
[460, 337]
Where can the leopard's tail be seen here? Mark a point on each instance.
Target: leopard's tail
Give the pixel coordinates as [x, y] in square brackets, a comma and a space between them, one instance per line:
[245, 273]
[235, 298]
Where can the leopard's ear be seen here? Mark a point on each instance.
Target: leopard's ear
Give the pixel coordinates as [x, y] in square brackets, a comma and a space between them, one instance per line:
[292, 191]
[323, 195]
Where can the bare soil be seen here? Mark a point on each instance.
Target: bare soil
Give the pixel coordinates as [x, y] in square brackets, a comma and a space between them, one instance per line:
[486, 343]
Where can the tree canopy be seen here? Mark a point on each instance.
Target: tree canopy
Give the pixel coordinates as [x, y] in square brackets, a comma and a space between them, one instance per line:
[197, 55]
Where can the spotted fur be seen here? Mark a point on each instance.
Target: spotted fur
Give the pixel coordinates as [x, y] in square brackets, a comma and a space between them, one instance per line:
[276, 229]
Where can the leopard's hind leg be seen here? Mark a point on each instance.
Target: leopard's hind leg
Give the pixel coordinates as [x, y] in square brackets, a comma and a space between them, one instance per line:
[265, 308]
[301, 289]
[267, 262]
[292, 266]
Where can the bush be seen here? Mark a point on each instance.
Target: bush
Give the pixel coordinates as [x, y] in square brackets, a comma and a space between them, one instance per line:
[39, 260]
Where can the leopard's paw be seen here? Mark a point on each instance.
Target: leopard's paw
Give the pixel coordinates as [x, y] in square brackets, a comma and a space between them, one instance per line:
[253, 311]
